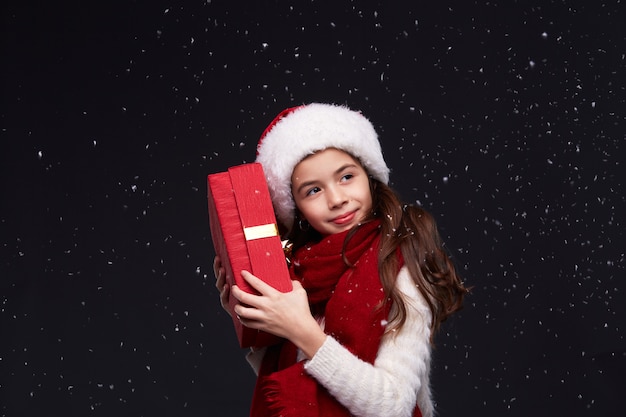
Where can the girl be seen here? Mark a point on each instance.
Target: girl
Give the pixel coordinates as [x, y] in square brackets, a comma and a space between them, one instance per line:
[372, 281]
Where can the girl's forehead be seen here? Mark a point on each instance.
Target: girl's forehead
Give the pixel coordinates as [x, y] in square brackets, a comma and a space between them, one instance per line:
[327, 155]
[327, 152]
[324, 163]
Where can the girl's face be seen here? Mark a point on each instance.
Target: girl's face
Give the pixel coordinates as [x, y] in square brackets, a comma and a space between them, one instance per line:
[331, 190]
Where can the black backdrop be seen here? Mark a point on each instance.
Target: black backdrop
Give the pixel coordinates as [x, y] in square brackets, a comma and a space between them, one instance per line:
[504, 119]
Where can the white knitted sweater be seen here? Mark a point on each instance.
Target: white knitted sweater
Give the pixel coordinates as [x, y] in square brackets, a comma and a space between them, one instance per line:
[399, 376]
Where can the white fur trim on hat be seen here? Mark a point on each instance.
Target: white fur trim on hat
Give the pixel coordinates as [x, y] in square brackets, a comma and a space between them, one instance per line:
[302, 131]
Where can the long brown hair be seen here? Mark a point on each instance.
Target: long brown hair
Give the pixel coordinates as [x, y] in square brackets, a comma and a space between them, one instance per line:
[413, 231]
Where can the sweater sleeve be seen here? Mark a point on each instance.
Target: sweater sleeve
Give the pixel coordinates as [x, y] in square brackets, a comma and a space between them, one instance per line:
[399, 376]
[255, 357]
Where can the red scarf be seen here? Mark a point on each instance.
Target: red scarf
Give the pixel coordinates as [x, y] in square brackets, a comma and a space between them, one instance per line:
[348, 298]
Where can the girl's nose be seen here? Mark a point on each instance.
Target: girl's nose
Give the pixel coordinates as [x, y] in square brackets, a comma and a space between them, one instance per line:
[336, 197]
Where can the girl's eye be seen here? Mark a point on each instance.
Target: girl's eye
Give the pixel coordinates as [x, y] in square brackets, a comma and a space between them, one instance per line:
[312, 191]
[346, 177]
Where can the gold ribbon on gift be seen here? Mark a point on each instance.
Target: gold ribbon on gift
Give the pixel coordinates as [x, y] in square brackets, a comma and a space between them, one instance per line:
[261, 231]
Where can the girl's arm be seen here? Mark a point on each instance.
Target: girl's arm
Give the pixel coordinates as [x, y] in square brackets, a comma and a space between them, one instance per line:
[390, 386]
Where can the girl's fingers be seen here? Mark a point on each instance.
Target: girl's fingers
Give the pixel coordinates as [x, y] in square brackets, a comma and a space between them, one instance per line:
[220, 282]
[224, 295]
[220, 274]
[216, 265]
[257, 283]
[250, 314]
[244, 297]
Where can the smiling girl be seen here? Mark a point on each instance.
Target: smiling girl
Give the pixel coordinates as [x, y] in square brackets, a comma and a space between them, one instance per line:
[372, 281]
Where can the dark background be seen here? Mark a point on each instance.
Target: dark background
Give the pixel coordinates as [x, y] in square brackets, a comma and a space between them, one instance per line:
[505, 119]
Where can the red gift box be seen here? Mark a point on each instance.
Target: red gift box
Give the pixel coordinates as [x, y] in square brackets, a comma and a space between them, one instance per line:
[245, 236]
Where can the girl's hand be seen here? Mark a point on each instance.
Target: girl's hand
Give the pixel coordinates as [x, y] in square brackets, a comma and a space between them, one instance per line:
[283, 314]
[220, 284]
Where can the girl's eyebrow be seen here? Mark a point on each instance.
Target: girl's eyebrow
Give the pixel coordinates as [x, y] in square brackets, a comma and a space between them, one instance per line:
[344, 167]
[338, 171]
[305, 185]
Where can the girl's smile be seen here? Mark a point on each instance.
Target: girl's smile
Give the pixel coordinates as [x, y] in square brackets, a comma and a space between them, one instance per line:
[331, 190]
[344, 218]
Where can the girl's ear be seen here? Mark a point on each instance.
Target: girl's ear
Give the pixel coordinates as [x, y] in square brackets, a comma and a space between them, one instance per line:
[300, 221]
[304, 225]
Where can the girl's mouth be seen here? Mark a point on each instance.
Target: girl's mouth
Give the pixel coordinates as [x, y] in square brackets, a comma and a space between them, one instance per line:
[344, 218]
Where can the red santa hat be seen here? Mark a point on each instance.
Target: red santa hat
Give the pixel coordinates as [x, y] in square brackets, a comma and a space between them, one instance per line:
[298, 132]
